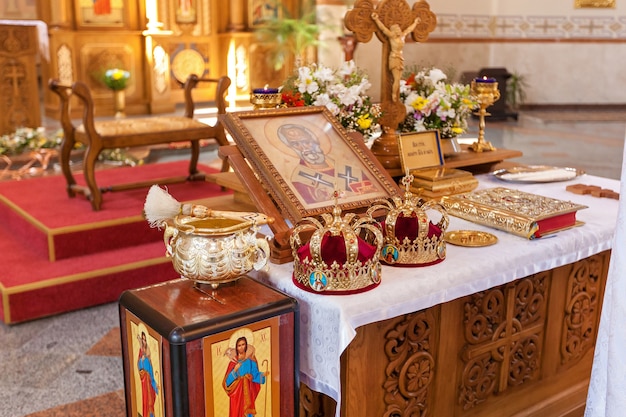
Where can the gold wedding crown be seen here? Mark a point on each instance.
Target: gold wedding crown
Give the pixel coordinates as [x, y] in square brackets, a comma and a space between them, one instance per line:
[341, 256]
[412, 236]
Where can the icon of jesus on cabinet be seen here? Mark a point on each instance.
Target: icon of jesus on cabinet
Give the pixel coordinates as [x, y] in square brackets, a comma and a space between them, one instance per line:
[241, 371]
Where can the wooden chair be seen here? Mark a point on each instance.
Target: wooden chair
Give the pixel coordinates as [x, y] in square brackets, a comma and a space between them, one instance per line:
[132, 132]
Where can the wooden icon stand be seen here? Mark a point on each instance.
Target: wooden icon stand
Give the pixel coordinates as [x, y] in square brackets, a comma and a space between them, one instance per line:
[280, 249]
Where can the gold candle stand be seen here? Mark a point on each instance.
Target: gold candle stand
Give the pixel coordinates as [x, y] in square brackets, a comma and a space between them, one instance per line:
[266, 98]
[486, 92]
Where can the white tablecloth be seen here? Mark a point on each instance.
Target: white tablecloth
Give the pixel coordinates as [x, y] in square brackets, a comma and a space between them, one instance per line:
[42, 34]
[607, 388]
[328, 323]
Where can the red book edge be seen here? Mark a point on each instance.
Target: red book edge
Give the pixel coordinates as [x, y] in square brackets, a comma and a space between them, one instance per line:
[556, 223]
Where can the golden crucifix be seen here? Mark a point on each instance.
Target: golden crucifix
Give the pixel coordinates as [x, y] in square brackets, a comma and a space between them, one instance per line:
[392, 21]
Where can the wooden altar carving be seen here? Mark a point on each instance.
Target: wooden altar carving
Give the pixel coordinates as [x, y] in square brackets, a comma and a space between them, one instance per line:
[160, 44]
[19, 106]
[391, 21]
[522, 348]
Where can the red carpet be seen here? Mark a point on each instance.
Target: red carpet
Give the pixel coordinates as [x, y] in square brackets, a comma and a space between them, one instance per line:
[58, 255]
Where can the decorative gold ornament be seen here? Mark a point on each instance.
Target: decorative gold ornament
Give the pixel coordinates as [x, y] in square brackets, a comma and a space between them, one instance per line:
[522, 213]
[341, 256]
[266, 98]
[486, 91]
[470, 238]
[119, 104]
[214, 250]
[207, 246]
[411, 238]
[605, 4]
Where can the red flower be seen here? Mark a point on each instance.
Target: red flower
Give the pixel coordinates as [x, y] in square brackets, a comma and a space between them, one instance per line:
[411, 80]
[293, 99]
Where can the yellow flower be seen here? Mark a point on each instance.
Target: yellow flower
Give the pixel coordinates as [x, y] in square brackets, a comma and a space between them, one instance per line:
[117, 74]
[419, 103]
[116, 78]
[364, 121]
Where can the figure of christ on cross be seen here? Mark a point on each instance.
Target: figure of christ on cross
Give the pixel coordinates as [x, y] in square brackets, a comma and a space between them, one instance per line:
[395, 36]
[392, 21]
[386, 18]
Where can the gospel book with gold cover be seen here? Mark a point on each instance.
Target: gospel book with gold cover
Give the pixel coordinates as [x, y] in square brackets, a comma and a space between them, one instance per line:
[518, 212]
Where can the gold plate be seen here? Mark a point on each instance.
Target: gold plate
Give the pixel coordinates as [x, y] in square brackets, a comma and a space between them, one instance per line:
[470, 238]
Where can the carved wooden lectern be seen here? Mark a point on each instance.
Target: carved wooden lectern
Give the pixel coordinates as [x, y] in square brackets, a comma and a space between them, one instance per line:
[391, 21]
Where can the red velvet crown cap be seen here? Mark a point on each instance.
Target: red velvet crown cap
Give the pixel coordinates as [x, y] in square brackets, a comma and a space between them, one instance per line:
[411, 236]
[333, 249]
[407, 228]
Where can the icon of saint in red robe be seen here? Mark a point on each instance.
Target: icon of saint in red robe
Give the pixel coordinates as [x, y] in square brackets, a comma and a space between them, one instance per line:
[242, 381]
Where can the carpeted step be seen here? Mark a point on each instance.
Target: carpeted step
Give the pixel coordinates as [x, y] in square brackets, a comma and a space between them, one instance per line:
[40, 213]
[33, 287]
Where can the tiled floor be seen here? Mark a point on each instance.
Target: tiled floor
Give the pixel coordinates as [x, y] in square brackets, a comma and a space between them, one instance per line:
[57, 363]
[70, 365]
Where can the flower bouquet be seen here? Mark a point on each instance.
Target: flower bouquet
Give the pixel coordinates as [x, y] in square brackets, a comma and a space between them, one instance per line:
[26, 139]
[25, 148]
[116, 79]
[433, 104]
[342, 91]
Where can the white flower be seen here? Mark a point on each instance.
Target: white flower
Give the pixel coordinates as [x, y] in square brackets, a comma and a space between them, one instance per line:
[304, 73]
[347, 68]
[308, 86]
[351, 95]
[306, 82]
[324, 74]
[322, 100]
[432, 104]
[436, 75]
[342, 91]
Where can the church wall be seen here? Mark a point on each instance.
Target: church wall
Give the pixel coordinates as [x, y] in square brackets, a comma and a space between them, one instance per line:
[18, 9]
[567, 55]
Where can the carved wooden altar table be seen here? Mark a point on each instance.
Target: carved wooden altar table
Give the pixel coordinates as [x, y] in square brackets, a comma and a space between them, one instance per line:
[501, 330]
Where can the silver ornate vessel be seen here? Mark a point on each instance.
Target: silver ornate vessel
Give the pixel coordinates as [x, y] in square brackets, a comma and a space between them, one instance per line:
[214, 250]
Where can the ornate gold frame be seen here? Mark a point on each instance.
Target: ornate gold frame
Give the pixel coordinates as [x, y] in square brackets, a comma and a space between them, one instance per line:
[275, 164]
[605, 4]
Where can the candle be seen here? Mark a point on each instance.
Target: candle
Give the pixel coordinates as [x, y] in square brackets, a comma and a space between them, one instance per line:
[265, 90]
[151, 10]
[485, 79]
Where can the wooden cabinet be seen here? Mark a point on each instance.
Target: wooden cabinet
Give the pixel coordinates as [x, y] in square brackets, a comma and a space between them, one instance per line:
[178, 343]
[520, 349]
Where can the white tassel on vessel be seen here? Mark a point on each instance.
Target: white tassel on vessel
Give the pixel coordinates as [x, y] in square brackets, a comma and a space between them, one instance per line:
[161, 206]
